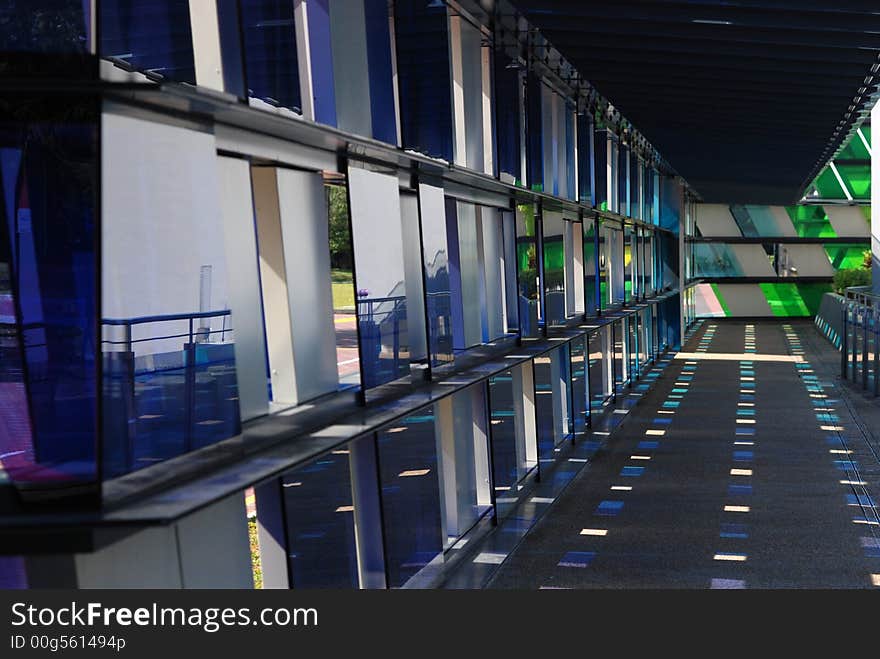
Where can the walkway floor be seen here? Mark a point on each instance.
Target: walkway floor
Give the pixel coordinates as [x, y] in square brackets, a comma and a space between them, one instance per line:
[742, 468]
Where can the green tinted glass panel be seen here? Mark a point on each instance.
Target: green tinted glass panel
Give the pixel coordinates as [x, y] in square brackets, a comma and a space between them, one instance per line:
[794, 299]
[857, 178]
[810, 222]
[827, 185]
[846, 256]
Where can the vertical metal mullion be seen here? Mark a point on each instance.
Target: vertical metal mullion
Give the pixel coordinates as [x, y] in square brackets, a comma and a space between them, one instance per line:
[491, 440]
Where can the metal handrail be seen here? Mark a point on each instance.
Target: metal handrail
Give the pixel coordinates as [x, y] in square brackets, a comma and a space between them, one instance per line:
[860, 314]
[189, 335]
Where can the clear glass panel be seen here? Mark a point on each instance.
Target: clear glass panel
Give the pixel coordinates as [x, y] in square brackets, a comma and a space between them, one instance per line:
[320, 526]
[623, 190]
[716, 260]
[604, 265]
[580, 385]
[554, 267]
[527, 269]
[630, 256]
[170, 380]
[591, 265]
[634, 349]
[617, 261]
[598, 366]
[552, 385]
[508, 463]
[646, 345]
[342, 283]
[621, 362]
[410, 492]
[380, 276]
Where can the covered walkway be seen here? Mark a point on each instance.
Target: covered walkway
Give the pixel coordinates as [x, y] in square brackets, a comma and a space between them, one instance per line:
[745, 466]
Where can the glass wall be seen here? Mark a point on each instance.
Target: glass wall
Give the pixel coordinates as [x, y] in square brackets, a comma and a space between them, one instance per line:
[528, 274]
[153, 36]
[554, 228]
[592, 293]
[49, 231]
[580, 385]
[599, 369]
[620, 356]
[319, 521]
[410, 495]
[552, 400]
[270, 52]
[168, 332]
[342, 286]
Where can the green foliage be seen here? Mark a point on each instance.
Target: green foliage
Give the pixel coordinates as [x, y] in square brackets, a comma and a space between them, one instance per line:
[255, 553]
[847, 277]
[340, 238]
[866, 259]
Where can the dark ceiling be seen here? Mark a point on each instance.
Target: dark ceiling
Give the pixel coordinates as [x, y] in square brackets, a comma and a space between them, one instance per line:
[742, 98]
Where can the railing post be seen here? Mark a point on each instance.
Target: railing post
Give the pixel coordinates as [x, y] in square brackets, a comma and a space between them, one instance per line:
[864, 313]
[189, 378]
[844, 344]
[130, 400]
[876, 359]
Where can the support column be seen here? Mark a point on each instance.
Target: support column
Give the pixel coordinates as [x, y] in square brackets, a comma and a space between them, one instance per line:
[875, 208]
[208, 549]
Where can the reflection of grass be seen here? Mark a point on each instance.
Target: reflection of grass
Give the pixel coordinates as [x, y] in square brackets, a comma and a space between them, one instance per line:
[343, 289]
[255, 553]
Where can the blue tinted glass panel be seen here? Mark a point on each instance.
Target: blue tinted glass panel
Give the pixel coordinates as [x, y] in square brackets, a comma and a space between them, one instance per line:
[379, 62]
[623, 180]
[45, 26]
[508, 82]
[619, 355]
[410, 493]
[229, 27]
[600, 168]
[422, 41]
[149, 35]
[506, 464]
[270, 51]
[552, 383]
[48, 297]
[595, 366]
[586, 160]
[580, 394]
[319, 512]
[170, 384]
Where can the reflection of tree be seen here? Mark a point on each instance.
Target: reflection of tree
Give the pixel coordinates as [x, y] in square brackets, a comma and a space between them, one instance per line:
[340, 237]
[56, 29]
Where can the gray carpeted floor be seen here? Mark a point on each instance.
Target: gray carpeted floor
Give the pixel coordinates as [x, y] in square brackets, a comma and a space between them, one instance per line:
[746, 484]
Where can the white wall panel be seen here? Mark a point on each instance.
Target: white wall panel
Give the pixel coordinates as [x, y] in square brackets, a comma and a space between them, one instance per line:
[239, 232]
[716, 220]
[415, 300]
[848, 221]
[305, 228]
[160, 214]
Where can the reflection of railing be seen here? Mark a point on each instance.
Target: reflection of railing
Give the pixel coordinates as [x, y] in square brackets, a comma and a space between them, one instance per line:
[179, 395]
[379, 322]
[860, 339]
[197, 336]
[440, 325]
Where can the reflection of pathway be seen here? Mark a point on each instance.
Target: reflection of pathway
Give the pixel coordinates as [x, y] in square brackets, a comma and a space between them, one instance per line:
[346, 343]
